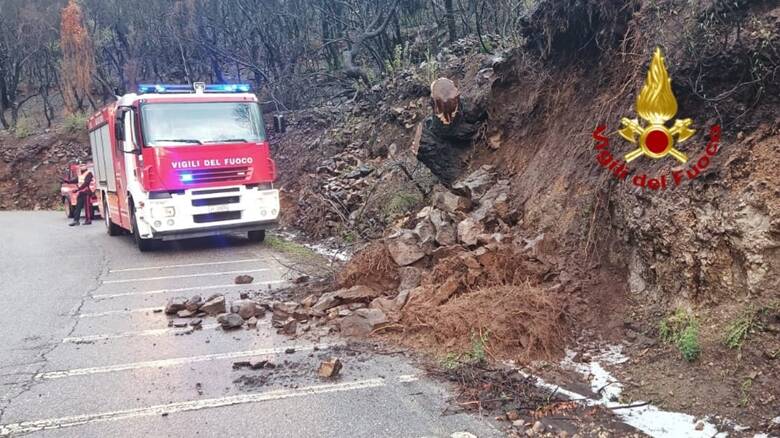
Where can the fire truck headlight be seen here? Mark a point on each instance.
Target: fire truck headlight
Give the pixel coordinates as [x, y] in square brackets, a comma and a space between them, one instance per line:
[163, 212]
[170, 222]
[273, 212]
[157, 224]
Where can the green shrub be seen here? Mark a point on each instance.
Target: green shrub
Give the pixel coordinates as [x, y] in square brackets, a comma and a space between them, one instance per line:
[744, 391]
[682, 330]
[288, 247]
[431, 69]
[349, 236]
[401, 203]
[478, 346]
[747, 323]
[476, 355]
[739, 329]
[688, 343]
[74, 122]
[23, 128]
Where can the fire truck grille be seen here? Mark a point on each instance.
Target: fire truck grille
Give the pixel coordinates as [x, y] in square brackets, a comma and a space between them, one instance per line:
[217, 175]
[216, 217]
[216, 201]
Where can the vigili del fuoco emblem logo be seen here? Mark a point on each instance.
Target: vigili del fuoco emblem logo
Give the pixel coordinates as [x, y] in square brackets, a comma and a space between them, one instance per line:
[656, 105]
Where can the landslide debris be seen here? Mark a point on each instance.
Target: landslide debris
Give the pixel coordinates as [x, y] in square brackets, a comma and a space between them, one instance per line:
[516, 226]
[456, 268]
[31, 168]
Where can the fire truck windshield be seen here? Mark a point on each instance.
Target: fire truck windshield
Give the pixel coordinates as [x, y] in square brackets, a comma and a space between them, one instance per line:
[197, 123]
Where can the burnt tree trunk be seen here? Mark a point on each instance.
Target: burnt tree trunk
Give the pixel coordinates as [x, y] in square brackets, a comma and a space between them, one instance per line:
[375, 29]
[449, 16]
[448, 134]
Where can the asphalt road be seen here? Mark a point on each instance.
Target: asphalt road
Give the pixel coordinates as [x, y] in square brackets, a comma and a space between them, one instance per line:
[83, 353]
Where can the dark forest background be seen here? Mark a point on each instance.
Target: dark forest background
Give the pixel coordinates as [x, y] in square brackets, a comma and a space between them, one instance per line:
[75, 55]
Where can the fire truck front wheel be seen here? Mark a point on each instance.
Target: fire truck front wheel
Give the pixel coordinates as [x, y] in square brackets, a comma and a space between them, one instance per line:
[256, 236]
[144, 245]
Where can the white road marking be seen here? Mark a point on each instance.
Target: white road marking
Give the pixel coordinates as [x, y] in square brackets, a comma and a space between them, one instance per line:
[406, 378]
[170, 277]
[183, 289]
[119, 312]
[151, 332]
[151, 268]
[184, 406]
[166, 363]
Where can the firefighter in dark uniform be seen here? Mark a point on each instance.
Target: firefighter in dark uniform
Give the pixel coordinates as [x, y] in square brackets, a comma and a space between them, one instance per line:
[86, 186]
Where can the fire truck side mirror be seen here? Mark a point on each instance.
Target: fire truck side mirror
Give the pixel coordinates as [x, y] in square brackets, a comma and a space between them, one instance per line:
[119, 127]
[280, 123]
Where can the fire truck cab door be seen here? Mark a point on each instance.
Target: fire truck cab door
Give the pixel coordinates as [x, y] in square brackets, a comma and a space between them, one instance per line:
[127, 166]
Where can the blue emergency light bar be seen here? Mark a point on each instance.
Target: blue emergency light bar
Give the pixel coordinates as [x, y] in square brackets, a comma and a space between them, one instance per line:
[181, 88]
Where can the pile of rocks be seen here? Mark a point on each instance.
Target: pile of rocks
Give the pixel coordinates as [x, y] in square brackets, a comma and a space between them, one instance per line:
[476, 212]
[191, 311]
[42, 159]
[470, 224]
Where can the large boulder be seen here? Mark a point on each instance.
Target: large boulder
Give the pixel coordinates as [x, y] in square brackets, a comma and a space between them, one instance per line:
[362, 322]
[476, 183]
[327, 301]
[445, 230]
[444, 199]
[469, 231]
[247, 309]
[284, 310]
[410, 278]
[356, 293]
[391, 307]
[425, 231]
[494, 203]
[214, 305]
[404, 247]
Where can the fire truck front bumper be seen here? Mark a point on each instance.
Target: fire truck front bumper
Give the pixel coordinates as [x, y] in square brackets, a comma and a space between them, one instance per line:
[208, 212]
[213, 231]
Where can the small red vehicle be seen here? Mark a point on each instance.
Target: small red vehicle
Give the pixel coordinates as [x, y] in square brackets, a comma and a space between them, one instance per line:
[69, 194]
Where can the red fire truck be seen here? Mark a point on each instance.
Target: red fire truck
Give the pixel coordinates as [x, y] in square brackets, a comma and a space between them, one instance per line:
[179, 161]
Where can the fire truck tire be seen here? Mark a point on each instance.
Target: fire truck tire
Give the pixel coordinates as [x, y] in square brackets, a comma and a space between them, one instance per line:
[68, 207]
[256, 236]
[111, 228]
[144, 245]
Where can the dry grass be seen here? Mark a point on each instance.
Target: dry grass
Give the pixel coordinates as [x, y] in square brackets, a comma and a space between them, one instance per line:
[524, 322]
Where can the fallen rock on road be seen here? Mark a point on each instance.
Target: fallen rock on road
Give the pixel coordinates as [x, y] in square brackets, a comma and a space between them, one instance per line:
[230, 321]
[193, 304]
[330, 369]
[214, 305]
[175, 305]
[362, 322]
[244, 279]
